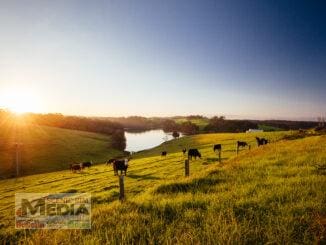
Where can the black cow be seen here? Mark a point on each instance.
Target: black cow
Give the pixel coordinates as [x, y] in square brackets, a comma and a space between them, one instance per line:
[184, 151]
[241, 144]
[193, 153]
[121, 165]
[217, 147]
[261, 141]
[87, 164]
[110, 161]
[164, 153]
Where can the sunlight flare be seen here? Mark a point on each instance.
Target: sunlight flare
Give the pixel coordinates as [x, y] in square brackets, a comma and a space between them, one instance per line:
[21, 101]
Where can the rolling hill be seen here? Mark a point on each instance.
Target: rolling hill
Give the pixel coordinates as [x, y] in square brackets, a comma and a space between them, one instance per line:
[47, 149]
[271, 194]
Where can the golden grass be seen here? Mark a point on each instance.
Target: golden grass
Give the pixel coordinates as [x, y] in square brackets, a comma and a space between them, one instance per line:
[272, 194]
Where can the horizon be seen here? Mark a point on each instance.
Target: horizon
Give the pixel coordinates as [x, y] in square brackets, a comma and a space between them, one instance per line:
[227, 117]
[103, 58]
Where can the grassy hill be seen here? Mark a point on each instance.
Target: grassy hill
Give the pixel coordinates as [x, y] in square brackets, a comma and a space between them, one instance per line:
[47, 149]
[272, 194]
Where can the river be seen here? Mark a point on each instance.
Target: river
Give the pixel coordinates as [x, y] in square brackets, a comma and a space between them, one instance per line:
[137, 141]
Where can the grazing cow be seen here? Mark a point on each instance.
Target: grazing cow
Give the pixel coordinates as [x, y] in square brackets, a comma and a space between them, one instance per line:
[193, 153]
[217, 147]
[184, 151]
[164, 153]
[261, 141]
[87, 164]
[76, 167]
[121, 165]
[110, 161]
[241, 144]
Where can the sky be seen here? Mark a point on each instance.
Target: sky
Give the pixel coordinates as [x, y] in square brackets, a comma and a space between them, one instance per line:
[242, 59]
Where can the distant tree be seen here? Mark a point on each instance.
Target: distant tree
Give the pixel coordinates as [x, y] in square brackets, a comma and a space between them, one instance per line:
[175, 134]
[169, 125]
[189, 128]
[220, 124]
[195, 117]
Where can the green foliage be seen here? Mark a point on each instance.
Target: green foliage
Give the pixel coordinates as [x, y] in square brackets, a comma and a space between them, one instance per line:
[201, 122]
[220, 124]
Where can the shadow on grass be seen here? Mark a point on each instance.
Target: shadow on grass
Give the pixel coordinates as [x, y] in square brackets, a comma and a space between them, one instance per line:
[171, 212]
[107, 188]
[250, 209]
[212, 159]
[231, 150]
[107, 199]
[71, 191]
[144, 177]
[215, 159]
[196, 185]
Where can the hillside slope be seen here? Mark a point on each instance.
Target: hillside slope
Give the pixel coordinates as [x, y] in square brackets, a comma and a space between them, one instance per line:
[271, 194]
[47, 149]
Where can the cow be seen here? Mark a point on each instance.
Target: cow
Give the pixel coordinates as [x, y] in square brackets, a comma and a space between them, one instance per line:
[184, 151]
[76, 167]
[87, 164]
[217, 147]
[110, 161]
[164, 153]
[241, 144]
[193, 153]
[261, 141]
[121, 165]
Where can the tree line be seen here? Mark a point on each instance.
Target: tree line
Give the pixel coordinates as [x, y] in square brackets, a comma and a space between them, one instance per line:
[219, 124]
[116, 126]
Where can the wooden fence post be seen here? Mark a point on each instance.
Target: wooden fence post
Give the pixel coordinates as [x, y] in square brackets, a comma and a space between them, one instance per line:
[122, 188]
[186, 168]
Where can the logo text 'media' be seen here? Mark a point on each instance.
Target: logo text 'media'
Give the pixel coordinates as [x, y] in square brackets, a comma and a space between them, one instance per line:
[53, 211]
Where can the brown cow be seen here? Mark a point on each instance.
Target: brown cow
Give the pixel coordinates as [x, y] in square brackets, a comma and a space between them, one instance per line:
[76, 167]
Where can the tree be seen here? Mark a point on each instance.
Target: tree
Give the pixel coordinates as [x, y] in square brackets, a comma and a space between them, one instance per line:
[175, 134]
[189, 128]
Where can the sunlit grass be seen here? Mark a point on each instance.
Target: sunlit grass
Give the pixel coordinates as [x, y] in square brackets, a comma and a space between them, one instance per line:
[271, 194]
[46, 149]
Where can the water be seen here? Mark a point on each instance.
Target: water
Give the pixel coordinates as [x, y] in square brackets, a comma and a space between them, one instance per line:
[146, 140]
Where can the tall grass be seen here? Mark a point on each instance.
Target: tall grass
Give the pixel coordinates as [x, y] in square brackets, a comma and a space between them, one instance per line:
[269, 195]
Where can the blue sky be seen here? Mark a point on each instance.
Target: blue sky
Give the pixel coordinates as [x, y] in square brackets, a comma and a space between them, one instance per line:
[246, 59]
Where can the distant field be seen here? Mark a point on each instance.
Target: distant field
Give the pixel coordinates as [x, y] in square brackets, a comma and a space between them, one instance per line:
[271, 194]
[46, 149]
[205, 142]
[201, 122]
[268, 128]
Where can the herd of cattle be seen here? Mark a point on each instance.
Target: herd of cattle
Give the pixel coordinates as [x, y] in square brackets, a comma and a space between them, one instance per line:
[122, 165]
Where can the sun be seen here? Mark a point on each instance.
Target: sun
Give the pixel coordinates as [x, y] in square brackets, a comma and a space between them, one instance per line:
[20, 101]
